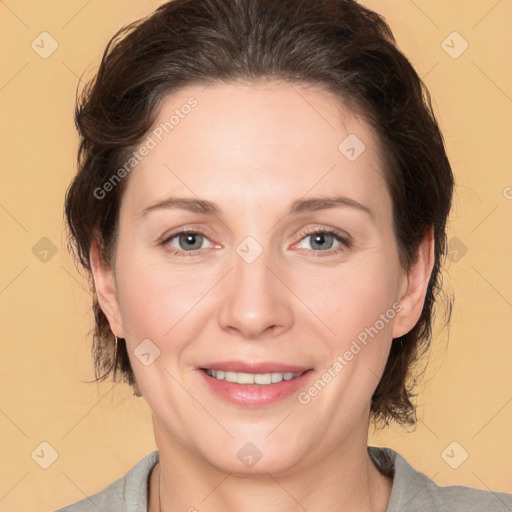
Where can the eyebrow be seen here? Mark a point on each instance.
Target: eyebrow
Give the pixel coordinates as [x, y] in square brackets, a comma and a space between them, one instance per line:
[298, 206]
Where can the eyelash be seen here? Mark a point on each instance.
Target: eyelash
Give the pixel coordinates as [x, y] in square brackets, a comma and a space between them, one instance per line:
[345, 242]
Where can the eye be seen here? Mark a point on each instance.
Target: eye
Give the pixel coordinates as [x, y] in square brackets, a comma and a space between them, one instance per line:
[323, 241]
[186, 241]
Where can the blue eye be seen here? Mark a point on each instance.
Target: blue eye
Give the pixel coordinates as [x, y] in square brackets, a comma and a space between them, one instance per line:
[322, 241]
[186, 241]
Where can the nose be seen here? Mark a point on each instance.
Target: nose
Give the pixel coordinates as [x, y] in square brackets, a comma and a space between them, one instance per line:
[255, 303]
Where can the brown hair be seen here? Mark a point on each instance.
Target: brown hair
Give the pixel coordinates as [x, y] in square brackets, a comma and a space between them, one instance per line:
[338, 45]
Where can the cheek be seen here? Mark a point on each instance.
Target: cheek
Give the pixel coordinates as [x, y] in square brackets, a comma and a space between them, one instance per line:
[352, 297]
[356, 302]
[146, 308]
[151, 298]
[162, 303]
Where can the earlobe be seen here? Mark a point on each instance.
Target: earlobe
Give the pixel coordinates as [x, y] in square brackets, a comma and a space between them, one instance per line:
[104, 284]
[417, 280]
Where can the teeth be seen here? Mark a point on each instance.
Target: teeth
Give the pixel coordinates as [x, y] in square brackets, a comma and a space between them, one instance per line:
[263, 379]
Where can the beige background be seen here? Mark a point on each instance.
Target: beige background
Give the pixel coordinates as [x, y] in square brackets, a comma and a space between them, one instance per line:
[100, 431]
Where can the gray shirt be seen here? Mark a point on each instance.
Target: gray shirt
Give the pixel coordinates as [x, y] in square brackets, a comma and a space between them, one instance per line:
[411, 492]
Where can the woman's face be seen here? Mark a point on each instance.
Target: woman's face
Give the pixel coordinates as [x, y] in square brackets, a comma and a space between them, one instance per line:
[290, 269]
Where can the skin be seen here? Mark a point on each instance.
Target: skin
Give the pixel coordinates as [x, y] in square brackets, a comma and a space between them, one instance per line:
[253, 149]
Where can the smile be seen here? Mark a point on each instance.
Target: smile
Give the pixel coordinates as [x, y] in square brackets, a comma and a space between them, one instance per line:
[262, 379]
[258, 385]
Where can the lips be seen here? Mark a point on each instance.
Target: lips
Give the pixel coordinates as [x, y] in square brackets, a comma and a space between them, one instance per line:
[254, 384]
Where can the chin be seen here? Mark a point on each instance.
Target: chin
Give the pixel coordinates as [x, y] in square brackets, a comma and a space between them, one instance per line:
[243, 457]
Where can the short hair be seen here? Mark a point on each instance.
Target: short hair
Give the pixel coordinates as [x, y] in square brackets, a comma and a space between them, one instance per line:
[337, 45]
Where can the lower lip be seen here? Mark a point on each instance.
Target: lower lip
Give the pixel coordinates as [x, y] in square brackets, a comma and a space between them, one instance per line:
[255, 395]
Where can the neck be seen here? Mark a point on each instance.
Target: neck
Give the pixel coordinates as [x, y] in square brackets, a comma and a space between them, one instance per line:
[344, 480]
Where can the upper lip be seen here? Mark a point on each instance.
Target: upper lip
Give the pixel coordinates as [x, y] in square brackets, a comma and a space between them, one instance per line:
[246, 367]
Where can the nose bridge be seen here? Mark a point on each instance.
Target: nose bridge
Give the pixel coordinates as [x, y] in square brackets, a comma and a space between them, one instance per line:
[254, 301]
[251, 270]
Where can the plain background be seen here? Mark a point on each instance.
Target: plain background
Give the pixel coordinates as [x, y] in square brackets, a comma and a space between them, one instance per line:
[100, 431]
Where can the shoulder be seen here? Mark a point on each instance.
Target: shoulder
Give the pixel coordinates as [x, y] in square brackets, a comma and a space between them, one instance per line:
[127, 493]
[415, 492]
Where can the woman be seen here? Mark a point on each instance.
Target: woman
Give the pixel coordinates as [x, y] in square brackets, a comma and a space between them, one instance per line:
[261, 201]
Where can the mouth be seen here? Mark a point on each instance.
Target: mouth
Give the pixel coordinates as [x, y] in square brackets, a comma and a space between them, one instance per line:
[254, 385]
[261, 379]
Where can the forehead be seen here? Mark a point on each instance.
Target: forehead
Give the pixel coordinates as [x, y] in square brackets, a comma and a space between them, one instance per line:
[257, 141]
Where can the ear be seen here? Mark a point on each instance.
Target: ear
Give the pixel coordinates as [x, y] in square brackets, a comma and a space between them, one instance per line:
[415, 287]
[105, 286]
